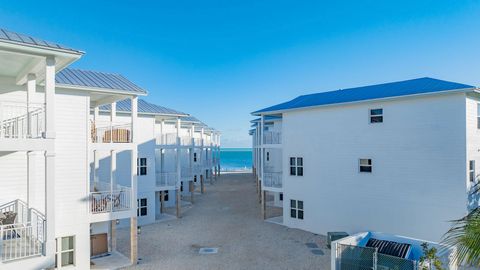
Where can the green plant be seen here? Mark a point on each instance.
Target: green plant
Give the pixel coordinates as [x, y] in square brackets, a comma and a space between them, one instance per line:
[464, 236]
[429, 260]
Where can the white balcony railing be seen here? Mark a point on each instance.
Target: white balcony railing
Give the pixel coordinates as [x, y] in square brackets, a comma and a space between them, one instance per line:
[186, 140]
[186, 172]
[22, 233]
[19, 120]
[197, 141]
[167, 139]
[166, 179]
[111, 133]
[111, 201]
[272, 137]
[272, 179]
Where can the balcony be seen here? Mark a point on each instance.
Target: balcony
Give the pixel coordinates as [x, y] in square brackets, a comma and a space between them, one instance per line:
[21, 121]
[166, 179]
[272, 178]
[119, 199]
[186, 173]
[111, 133]
[22, 231]
[197, 141]
[272, 137]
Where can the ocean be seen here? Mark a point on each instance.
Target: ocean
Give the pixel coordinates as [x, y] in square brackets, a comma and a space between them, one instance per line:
[236, 159]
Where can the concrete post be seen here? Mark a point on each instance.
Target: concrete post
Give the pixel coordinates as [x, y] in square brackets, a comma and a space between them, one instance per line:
[177, 202]
[113, 235]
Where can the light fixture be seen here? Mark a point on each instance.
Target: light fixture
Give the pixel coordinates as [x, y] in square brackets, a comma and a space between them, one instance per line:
[117, 221]
[139, 229]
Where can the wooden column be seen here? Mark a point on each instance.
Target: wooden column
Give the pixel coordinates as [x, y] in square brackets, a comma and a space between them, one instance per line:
[264, 205]
[202, 184]
[133, 240]
[191, 188]
[177, 202]
[162, 201]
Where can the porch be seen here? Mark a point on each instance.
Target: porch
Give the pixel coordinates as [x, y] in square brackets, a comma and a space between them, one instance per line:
[22, 231]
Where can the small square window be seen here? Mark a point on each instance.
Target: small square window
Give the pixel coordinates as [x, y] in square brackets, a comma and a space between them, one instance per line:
[194, 157]
[376, 116]
[365, 165]
[296, 166]
[142, 207]
[142, 166]
[281, 196]
[292, 161]
[268, 156]
[293, 171]
[65, 251]
[296, 209]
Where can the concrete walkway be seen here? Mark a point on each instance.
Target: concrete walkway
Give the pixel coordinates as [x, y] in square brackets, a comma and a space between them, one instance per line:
[227, 217]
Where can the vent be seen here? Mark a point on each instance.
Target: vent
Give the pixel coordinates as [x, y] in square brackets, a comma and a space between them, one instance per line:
[208, 250]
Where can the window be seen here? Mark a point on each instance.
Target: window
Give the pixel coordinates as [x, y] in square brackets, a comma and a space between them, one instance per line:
[296, 166]
[268, 156]
[195, 178]
[65, 251]
[181, 186]
[471, 170]
[376, 116]
[166, 195]
[365, 165]
[141, 207]
[281, 196]
[478, 116]
[194, 157]
[296, 209]
[141, 166]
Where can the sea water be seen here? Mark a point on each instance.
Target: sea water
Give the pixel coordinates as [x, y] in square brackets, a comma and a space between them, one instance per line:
[236, 159]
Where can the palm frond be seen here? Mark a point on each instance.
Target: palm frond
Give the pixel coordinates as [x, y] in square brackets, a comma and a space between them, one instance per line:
[464, 236]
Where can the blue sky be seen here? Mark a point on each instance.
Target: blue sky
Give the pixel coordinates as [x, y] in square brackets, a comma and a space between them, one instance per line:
[221, 60]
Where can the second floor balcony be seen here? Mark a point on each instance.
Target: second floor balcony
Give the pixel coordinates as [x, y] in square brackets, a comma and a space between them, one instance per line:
[22, 231]
[22, 120]
[166, 179]
[117, 199]
[272, 177]
[272, 137]
[111, 133]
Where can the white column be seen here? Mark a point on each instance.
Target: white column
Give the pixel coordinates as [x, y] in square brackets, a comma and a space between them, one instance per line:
[163, 137]
[50, 202]
[134, 156]
[113, 170]
[178, 157]
[50, 97]
[201, 151]
[30, 175]
[113, 114]
[31, 89]
[96, 166]
[262, 123]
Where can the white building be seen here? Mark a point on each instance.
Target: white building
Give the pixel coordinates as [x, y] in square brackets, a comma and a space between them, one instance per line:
[397, 158]
[54, 200]
[176, 152]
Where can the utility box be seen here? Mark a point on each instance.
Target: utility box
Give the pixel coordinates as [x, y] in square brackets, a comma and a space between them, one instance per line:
[333, 236]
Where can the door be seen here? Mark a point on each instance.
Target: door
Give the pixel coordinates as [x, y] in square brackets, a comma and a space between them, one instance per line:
[98, 244]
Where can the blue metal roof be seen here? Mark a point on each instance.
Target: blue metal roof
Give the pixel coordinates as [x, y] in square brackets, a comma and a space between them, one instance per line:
[143, 107]
[386, 90]
[22, 39]
[95, 79]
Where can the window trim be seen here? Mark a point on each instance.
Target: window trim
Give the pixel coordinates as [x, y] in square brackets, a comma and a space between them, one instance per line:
[295, 168]
[295, 209]
[368, 165]
[471, 171]
[376, 115]
[140, 166]
[140, 207]
[59, 251]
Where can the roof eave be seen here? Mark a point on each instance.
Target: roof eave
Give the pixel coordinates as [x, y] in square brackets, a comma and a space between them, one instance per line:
[38, 49]
[102, 90]
[470, 89]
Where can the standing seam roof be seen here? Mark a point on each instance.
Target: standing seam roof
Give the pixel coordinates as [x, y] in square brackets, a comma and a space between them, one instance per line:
[28, 40]
[97, 79]
[386, 90]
